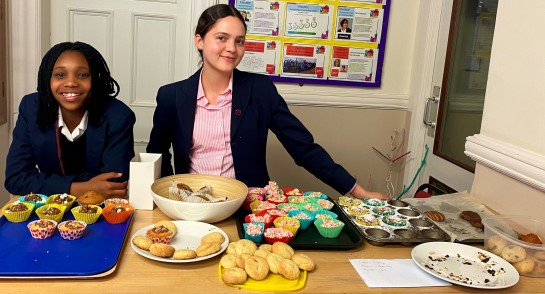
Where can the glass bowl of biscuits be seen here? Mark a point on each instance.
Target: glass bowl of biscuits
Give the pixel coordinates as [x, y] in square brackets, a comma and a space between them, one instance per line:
[194, 197]
[518, 240]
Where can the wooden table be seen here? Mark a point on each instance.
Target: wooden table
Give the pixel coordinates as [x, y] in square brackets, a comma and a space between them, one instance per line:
[137, 274]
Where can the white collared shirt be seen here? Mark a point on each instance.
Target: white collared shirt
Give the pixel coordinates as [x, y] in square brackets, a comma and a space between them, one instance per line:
[77, 132]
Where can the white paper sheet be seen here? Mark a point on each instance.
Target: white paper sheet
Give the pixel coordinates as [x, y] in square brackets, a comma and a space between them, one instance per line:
[386, 273]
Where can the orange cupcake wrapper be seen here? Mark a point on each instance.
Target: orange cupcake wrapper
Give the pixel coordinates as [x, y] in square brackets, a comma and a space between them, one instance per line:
[117, 218]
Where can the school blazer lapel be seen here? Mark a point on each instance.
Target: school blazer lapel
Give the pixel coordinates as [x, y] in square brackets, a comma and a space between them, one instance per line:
[186, 103]
[242, 90]
[96, 136]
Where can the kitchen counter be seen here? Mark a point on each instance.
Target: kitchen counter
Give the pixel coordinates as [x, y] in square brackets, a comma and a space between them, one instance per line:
[137, 274]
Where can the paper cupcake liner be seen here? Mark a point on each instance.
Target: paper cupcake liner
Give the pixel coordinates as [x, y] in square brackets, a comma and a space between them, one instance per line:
[258, 192]
[293, 192]
[50, 200]
[312, 194]
[41, 233]
[310, 207]
[20, 216]
[115, 201]
[117, 218]
[349, 201]
[318, 214]
[36, 204]
[323, 203]
[288, 207]
[297, 199]
[255, 238]
[259, 205]
[263, 218]
[304, 223]
[164, 240]
[332, 232]
[71, 234]
[250, 198]
[280, 223]
[272, 239]
[358, 210]
[88, 218]
[57, 217]
[277, 199]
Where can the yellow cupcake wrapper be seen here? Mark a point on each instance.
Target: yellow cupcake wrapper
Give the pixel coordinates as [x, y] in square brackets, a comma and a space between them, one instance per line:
[88, 218]
[57, 217]
[68, 206]
[20, 216]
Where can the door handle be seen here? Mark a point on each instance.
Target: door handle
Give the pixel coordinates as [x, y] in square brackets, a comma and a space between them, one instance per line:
[427, 122]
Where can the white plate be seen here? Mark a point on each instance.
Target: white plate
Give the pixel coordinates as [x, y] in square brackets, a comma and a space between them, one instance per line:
[188, 236]
[465, 265]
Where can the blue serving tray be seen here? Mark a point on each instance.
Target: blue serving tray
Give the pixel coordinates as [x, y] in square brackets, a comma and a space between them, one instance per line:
[95, 253]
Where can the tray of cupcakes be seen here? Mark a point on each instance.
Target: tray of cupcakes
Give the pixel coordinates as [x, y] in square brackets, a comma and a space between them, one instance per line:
[302, 219]
[390, 222]
[46, 229]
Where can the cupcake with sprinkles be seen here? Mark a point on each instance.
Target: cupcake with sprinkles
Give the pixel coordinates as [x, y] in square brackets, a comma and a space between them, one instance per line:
[324, 214]
[272, 189]
[63, 199]
[258, 206]
[394, 220]
[368, 220]
[289, 223]
[311, 207]
[254, 231]
[292, 192]
[323, 203]
[264, 218]
[314, 194]
[297, 199]
[358, 210]
[277, 235]
[36, 199]
[349, 201]
[275, 212]
[17, 211]
[383, 210]
[374, 202]
[329, 228]
[288, 207]
[277, 198]
[51, 211]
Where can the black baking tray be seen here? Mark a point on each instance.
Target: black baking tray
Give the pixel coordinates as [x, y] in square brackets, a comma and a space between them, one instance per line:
[310, 238]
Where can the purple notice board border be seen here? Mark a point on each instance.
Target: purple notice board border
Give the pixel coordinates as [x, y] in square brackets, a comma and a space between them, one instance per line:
[380, 61]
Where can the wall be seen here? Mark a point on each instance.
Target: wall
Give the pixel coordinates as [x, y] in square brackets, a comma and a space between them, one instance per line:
[510, 150]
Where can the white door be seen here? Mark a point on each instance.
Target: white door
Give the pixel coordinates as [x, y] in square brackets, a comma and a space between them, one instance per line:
[145, 43]
[458, 70]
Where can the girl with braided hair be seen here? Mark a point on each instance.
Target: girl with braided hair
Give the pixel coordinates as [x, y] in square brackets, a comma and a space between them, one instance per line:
[72, 135]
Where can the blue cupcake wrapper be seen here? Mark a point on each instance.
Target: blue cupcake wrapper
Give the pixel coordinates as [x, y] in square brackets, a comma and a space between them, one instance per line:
[308, 193]
[323, 211]
[303, 223]
[254, 238]
[36, 204]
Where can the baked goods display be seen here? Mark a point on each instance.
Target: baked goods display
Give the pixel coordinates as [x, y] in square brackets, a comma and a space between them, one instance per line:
[249, 262]
[91, 198]
[160, 239]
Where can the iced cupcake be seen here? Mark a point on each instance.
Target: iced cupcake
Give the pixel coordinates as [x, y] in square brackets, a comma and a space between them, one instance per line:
[358, 210]
[289, 223]
[36, 199]
[329, 228]
[277, 199]
[349, 201]
[374, 202]
[51, 211]
[310, 207]
[160, 234]
[277, 235]
[368, 220]
[42, 228]
[314, 194]
[117, 213]
[288, 207]
[115, 201]
[258, 206]
[87, 213]
[323, 203]
[305, 218]
[274, 213]
[17, 211]
[298, 199]
[324, 214]
[71, 229]
[292, 192]
[383, 210]
[394, 221]
[254, 231]
[258, 192]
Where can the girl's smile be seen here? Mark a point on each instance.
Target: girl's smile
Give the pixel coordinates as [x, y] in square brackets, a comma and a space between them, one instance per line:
[71, 82]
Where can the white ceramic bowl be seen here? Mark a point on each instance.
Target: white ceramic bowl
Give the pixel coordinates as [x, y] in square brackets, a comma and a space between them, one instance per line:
[233, 189]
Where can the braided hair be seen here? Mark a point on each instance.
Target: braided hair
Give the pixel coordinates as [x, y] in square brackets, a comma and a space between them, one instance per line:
[103, 86]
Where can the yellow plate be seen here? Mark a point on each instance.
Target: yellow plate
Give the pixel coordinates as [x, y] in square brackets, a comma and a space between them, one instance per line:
[272, 283]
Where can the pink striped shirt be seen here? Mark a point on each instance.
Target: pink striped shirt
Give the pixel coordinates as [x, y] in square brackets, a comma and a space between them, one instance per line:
[210, 151]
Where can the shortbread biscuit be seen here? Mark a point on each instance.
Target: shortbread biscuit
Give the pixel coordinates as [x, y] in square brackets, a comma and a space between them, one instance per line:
[289, 269]
[274, 259]
[262, 253]
[214, 237]
[161, 250]
[184, 254]
[142, 242]
[245, 246]
[266, 247]
[232, 248]
[526, 266]
[240, 259]
[256, 267]
[228, 261]
[495, 244]
[207, 249]
[234, 276]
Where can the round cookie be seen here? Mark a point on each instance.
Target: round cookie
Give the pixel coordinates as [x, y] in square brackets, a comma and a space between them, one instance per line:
[256, 267]
[228, 261]
[161, 250]
[245, 246]
[234, 276]
[262, 253]
[513, 253]
[184, 254]
[289, 269]
[214, 237]
[231, 248]
[495, 244]
[274, 259]
[303, 261]
[435, 215]
[207, 249]
[283, 249]
[266, 247]
[470, 215]
[142, 242]
[240, 259]
[526, 266]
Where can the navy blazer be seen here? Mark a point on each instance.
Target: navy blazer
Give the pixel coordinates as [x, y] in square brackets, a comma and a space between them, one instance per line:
[33, 164]
[257, 107]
